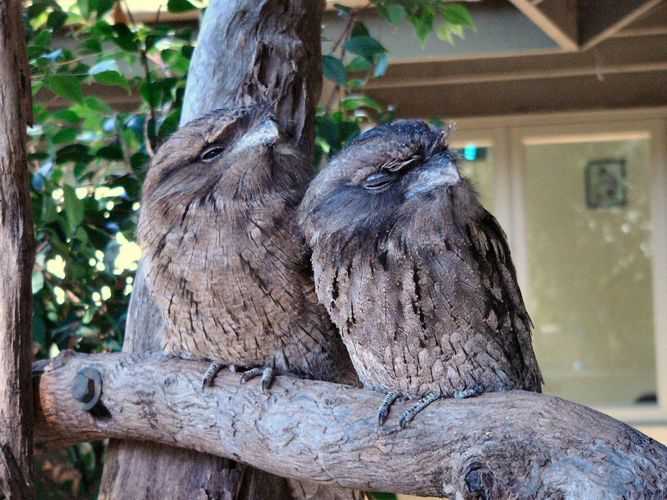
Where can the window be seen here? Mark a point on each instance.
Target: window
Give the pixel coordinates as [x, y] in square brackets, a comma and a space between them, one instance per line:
[584, 206]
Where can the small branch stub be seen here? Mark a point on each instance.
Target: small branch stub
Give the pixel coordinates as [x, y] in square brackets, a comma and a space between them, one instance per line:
[87, 388]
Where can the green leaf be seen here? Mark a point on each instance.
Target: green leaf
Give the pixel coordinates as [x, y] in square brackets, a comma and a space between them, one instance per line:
[66, 86]
[84, 7]
[150, 91]
[97, 105]
[112, 78]
[43, 39]
[457, 14]
[445, 34]
[170, 124]
[56, 20]
[102, 66]
[124, 37]
[364, 46]
[334, 70]
[423, 23]
[104, 6]
[381, 65]
[73, 207]
[112, 152]
[359, 29]
[38, 324]
[180, 6]
[77, 153]
[359, 63]
[65, 135]
[327, 129]
[49, 212]
[395, 14]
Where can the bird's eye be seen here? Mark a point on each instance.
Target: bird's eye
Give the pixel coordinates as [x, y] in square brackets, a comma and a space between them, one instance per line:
[379, 181]
[211, 153]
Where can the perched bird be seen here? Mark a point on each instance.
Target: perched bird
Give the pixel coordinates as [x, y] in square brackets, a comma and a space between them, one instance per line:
[415, 273]
[232, 282]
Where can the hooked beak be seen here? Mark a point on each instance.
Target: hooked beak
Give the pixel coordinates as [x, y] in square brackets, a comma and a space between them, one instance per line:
[266, 134]
[438, 171]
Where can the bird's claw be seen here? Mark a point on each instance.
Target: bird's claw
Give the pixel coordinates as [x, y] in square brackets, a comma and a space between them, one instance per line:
[212, 371]
[383, 411]
[411, 412]
[266, 372]
[468, 393]
[210, 374]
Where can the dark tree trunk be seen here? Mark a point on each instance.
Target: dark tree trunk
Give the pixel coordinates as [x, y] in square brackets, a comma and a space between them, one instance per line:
[16, 260]
[247, 50]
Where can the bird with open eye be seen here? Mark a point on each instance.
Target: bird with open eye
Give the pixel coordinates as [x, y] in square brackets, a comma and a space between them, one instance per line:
[415, 273]
[233, 284]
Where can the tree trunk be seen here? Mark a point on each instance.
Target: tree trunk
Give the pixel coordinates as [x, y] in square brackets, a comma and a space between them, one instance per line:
[16, 260]
[150, 470]
[247, 50]
[498, 445]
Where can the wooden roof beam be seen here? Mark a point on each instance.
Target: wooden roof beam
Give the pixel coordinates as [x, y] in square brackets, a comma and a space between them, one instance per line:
[557, 18]
[600, 19]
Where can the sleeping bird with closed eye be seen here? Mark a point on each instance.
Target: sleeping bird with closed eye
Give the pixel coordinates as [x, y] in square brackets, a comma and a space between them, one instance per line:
[415, 273]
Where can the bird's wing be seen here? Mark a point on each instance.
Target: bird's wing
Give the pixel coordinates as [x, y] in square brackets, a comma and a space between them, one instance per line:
[490, 251]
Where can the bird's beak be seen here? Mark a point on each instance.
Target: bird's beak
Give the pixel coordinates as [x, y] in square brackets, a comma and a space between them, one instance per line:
[438, 171]
[264, 134]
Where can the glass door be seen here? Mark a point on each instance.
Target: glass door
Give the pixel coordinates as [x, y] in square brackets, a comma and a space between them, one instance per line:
[591, 204]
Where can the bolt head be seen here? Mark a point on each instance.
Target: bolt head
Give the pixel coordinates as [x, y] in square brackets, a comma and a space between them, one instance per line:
[87, 387]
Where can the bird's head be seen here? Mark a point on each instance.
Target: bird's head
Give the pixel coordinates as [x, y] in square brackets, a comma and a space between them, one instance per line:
[228, 160]
[397, 174]
[228, 155]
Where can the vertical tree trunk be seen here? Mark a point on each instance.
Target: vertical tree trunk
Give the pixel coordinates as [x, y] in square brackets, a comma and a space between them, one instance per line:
[247, 50]
[16, 260]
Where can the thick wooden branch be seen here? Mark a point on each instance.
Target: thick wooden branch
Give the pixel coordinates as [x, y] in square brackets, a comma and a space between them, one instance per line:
[16, 259]
[513, 444]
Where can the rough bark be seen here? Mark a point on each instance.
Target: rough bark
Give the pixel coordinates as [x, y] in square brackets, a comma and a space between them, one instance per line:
[153, 470]
[499, 445]
[264, 49]
[16, 260]
[271, 52]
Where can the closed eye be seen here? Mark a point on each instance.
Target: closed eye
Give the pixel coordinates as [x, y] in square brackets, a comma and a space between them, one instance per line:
[379, 181]
[211, 153]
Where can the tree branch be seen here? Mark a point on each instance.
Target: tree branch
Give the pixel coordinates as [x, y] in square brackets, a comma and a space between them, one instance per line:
[512, 444]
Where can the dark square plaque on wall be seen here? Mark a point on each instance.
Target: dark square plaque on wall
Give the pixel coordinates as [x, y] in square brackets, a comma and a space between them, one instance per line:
[606, 183]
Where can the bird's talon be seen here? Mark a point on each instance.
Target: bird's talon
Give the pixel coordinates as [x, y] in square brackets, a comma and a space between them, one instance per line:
[468, 393]
[383, 411]
[267, 378]
[210, 374]
[411, 412]
[252, 373]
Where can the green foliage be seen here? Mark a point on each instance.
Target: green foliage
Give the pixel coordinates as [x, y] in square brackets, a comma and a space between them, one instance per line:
[357, 57]
[106, 92]
[88, 157]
